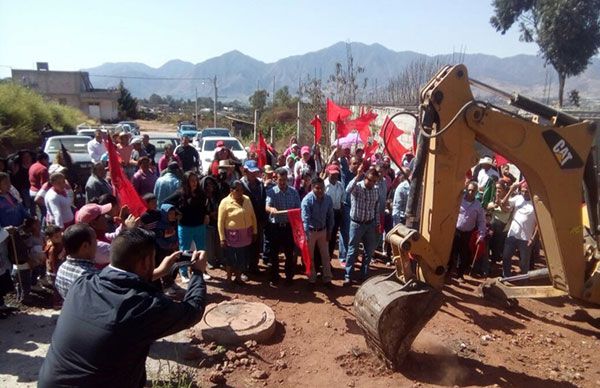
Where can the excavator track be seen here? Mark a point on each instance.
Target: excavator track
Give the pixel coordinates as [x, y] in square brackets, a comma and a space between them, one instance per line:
[391, 315]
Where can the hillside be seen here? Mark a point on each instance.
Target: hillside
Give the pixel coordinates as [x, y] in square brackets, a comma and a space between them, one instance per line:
[239, 75]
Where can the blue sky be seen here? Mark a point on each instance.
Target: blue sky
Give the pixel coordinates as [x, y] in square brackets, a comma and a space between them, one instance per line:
[71, 35]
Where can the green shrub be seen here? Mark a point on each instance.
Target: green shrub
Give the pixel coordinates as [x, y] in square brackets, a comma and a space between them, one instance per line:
[24, 112]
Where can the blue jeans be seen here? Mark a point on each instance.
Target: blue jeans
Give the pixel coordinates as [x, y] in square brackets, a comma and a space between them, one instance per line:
[186, 235]
[344, 242]
[367, 234]
[510, 245]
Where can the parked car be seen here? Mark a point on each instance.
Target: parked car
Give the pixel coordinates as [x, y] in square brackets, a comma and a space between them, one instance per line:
[160, 142]
[77, 148]
[216, 132]
[135, 128]
[89, 132]
[127, 129]
[208, 145]
[189, 130]
[210, 132]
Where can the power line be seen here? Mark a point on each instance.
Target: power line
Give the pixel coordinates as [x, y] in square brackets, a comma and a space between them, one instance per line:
[153, 78]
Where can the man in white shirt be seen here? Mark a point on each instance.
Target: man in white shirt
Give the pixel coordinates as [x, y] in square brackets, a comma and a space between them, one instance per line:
[522, 230]
[95, 147]
[335, 189]
[485, 173]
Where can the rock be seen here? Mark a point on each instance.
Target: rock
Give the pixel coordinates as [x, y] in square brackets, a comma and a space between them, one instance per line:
[212, 346]
[241, 354]
[549, 341]
[260, 375]
[327, 324]
[280, 364]
[250, 344]
[487, 337]
[351, 383]
[217, 377]
[231, 355]
[282, 354]
[578, 376]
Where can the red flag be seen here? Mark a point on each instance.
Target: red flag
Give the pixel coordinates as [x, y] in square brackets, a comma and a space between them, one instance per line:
[392, 145]
[361, 124]
[392, 130]
[371, 149]
[261, 150]
[341, 129]
[316, 123]
[122, 186]
[500, 160]
[334, 112]
[295, 219]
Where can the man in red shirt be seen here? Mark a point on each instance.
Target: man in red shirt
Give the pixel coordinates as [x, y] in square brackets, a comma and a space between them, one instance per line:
[38, 173]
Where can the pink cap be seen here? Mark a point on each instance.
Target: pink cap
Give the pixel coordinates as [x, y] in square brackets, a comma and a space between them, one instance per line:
[91, 211]
[305, 150]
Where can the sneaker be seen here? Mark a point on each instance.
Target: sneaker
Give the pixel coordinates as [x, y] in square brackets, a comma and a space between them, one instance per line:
[206, 276]
[244, 277]
[347, 283]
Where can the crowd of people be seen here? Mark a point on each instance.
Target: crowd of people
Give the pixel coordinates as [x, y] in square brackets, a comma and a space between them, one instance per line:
[238, 214]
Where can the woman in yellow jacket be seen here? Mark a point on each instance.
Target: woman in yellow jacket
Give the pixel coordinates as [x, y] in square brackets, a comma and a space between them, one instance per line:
[237, 230]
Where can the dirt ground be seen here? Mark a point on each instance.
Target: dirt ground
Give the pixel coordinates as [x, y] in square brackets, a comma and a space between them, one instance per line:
[317, 343]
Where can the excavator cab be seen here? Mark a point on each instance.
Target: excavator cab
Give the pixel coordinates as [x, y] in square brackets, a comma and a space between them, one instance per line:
[554, 152]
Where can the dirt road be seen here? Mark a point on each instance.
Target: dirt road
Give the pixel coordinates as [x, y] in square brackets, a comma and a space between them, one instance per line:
[551, 343]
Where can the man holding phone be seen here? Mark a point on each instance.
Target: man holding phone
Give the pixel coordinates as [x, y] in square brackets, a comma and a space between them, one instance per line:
[110, 319]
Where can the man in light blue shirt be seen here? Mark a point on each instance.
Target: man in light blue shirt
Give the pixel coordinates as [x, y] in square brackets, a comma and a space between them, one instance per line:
[317, 218]
[167, 184]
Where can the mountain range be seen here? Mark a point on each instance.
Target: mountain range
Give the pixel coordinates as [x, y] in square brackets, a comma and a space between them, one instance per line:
[239, 75]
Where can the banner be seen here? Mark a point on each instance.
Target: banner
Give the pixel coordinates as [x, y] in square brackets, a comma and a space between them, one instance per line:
[335, 112]
[361, 124]
[295, 218]
[316, 123]
[122, 187]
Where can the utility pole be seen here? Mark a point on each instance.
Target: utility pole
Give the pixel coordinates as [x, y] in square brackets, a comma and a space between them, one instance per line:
[273, 95]
[255, 123]
[214, 102]
[196, 108]
[298, 123]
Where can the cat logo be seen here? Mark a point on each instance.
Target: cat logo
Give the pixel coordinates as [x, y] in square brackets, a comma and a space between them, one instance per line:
[564, 154]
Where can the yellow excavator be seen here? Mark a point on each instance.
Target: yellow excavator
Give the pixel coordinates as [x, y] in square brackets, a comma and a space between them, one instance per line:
[554, 152]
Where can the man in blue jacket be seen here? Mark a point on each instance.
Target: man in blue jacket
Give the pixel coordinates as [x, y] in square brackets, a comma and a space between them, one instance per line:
[110, 319]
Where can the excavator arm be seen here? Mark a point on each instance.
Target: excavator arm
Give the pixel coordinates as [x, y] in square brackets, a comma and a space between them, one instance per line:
[554, 158]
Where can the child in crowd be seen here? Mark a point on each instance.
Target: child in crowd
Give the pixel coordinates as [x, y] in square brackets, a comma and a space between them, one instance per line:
[53, 250]
[31, 268]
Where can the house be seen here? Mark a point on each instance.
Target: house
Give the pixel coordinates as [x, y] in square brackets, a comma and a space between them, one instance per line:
[71, 88]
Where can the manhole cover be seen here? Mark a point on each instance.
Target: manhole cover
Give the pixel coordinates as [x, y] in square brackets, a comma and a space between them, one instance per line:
[237, 321]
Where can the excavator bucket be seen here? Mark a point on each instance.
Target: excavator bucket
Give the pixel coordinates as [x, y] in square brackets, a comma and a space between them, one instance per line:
[391, 314]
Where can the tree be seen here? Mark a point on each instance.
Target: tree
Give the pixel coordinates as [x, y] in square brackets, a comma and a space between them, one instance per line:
[127, 104]
[282, 97]
[574, 97]
[155, 99]
[258, 100]
[345, 80]
[566, 31]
